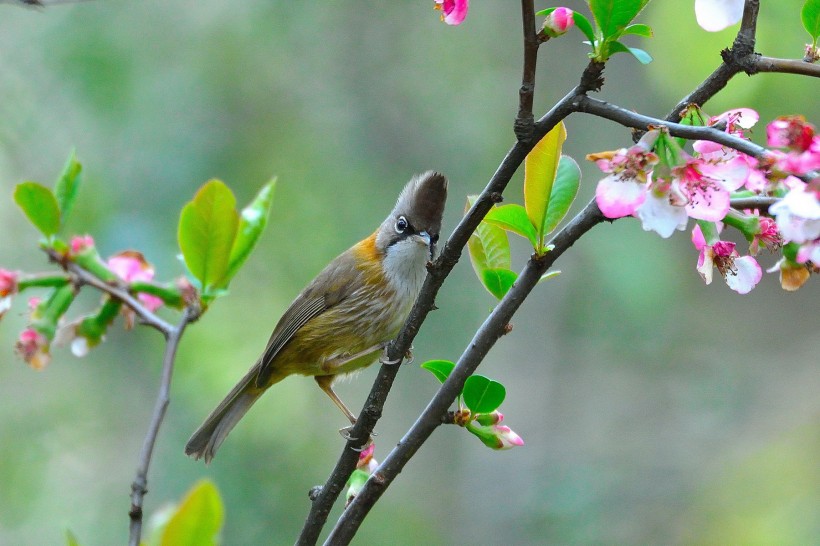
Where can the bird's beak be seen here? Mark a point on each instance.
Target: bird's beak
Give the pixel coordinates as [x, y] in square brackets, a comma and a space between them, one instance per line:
[426, 236]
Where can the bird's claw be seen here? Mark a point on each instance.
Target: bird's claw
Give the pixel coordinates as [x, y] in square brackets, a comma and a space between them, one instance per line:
[408, 358]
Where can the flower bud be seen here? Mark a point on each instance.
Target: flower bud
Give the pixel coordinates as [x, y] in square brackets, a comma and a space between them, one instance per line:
[558, 22]
[33, 347]
[487, 419]
[496, 436]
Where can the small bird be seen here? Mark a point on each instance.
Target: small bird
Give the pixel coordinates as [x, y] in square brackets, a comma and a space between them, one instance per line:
[347, 315]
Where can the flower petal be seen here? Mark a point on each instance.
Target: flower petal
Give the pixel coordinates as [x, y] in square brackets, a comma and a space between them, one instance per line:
[714, 15]
[746, 275]
[617, 197]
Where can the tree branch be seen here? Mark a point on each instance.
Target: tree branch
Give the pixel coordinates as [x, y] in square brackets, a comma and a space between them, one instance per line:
[484, 339]
[524, 122]
[325, 496]
[786, 66]
[641, 122]
[139, 486]
[733, 63]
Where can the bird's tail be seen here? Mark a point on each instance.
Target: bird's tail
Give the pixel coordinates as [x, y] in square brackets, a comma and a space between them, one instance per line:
[210, 435]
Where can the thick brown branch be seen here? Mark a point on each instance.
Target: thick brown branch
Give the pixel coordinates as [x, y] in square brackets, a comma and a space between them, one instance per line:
[486, 336]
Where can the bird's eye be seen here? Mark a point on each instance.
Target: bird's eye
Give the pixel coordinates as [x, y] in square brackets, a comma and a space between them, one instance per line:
[401, 224]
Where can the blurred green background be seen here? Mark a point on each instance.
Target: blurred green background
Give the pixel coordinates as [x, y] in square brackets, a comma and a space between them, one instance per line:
[655, 410]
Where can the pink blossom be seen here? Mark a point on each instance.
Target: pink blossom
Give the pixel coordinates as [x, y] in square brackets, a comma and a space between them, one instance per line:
[768, 236]
[8, 282]
[798, 213]
[792, 132]
[558, 22]
[8, 287]
[714, 15]
[706, 197]
[741, 273]
[624, 190]
[131, 266]
[33, 347]
[453, 12]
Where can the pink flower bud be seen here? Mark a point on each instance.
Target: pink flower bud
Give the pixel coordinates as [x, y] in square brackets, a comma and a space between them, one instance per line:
[558, 22]
[8, 283]
[32, 346]
[82, 243]
[507, 438]
[792, 132]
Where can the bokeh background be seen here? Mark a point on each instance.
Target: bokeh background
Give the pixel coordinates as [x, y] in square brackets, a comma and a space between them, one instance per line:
[655, 410]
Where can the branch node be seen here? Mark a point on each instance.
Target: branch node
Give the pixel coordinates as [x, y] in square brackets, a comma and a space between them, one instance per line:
[314, 492]
[524, 127]
[496, 197]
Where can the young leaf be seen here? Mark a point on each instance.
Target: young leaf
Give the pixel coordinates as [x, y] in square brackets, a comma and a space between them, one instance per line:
[642, 56]
[810, 14]
[613, 16]
[540, 168]
[198, 520]
[512, 218]
[498, 281]
[65, 189]
[489, 246]
[252, 223]
[440, 368]
[638, 30]
[39, 206]
[584, 26]
[483, 395]
[207, 229]
[563, 193]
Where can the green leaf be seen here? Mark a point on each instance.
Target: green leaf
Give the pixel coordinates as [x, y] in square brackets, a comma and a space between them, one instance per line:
[483, 395]
[549, 275]
[252, 223]
[638, 30]
[440, 368]
[613, 16]
[584, 26]
[642, 56]
[198, 520]
[563, 193]
[540, 168]
[207, 229]
[489, 246]
[513, 218]
[498, 281]
[810, 14]
[67, 185]
[39, 205]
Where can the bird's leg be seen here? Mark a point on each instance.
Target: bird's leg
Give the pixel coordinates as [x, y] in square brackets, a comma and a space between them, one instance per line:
[324, 382]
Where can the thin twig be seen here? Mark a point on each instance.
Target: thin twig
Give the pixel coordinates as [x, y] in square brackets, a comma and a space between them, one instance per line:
[486, 336]
[786, 66]
[756, 202]
[524, 122]
[139, 487]
[84, 277]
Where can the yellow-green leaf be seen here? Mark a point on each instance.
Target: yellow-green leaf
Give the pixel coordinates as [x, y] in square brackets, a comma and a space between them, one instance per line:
[489, 246]
[540, 167]
[40, 206]
[207, 230]
[252, 223]
[513, 218]
[65, 190]
[198, 520]
[498, 281]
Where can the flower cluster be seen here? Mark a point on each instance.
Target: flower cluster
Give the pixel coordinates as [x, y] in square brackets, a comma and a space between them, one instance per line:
[664, 186]
[47, 324]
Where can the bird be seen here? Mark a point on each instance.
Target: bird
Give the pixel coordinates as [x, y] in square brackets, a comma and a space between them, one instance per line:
[347, 315]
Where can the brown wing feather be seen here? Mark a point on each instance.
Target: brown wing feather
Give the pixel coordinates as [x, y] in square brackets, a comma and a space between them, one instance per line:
[322, 294]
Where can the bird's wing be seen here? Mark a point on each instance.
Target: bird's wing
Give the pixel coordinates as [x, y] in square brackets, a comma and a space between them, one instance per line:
[325, 292]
